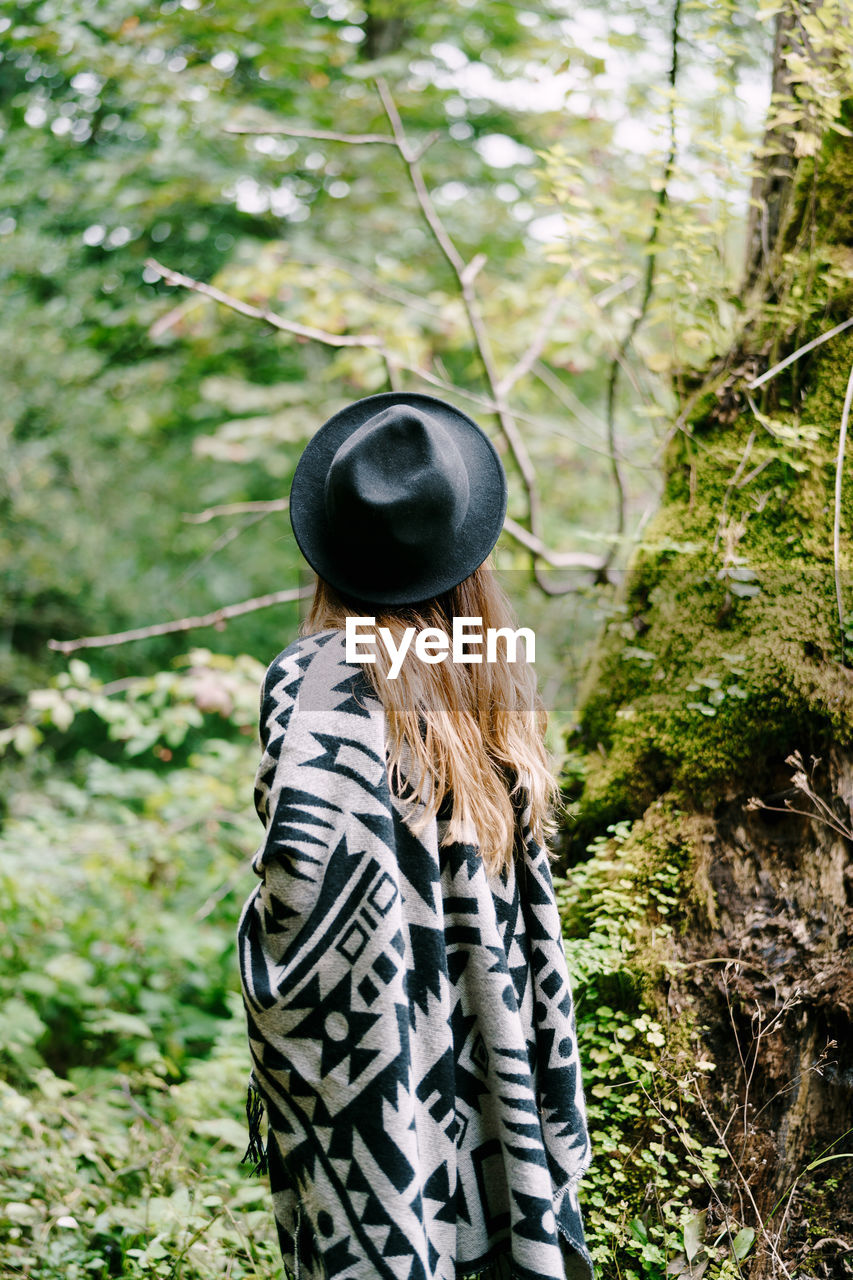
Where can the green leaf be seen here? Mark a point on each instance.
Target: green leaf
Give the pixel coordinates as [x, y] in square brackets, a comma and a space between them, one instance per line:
[118, 1022]
[742, 1242]
[639, 1230]
[694, 1234]
[842, 1155]
[25, 738]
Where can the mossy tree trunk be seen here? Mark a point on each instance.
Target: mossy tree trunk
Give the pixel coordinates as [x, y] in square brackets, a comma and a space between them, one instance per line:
[721, 664]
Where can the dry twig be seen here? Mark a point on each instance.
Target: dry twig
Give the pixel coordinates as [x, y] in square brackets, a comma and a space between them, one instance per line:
[261, 313]
[836, 518]
[466, 274]
[803, 784]
[236, 509]
[801, 351]
[217, 618]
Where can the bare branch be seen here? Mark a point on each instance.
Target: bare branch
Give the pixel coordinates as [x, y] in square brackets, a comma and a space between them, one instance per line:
[321, 135]
[567, 397]
[465, 273]
[236, 509]
[801, 351]
[447, 246]
[606, 295]
[169, 319]
[760, 418]
[756, 471]
[219, 544]
[734, 483]
[217, 619]
[836, 519]
[329, 135]
[473, 269]
[755, 802]
[417, 152]
[264, 314]
[534, 351]
[557, 559]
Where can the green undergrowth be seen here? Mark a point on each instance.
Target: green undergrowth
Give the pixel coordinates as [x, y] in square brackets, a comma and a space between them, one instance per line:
[655, 1166]
[120, 1172]
[125, 858]
[123, 1063]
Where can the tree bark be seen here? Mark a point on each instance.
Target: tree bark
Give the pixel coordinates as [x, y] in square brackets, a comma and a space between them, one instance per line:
[749, 667]
[771, 186]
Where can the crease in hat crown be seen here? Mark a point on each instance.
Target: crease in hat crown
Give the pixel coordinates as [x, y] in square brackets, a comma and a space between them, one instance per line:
[402, 473]
[397, 498]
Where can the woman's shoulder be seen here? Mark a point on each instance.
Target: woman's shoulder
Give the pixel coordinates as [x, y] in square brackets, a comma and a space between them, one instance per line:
[315, 667]
[302, 650]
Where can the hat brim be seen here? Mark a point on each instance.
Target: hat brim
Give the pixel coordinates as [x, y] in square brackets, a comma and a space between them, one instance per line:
[477, 535]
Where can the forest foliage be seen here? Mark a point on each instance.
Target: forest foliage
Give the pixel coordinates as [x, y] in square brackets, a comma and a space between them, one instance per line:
[600, 160]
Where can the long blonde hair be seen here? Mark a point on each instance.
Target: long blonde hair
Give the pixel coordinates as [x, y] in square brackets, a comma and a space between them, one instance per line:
[474, 733]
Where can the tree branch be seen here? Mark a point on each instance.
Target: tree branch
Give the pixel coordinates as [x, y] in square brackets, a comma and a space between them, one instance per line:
[465, 274]
[328, 135]
[557, 559]
[321, 135]
[219, 544]
[573, 403]
[236, 509]
[217, 619]
[801, 351]
[264, 314]
[534, 351]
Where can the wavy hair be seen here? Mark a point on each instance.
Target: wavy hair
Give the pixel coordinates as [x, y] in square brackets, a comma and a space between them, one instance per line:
[472, 734]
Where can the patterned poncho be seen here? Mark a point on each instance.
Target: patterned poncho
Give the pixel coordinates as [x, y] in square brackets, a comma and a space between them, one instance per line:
[409, 1016]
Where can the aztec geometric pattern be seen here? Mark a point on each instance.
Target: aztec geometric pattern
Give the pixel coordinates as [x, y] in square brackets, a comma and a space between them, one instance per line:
[409, 1017]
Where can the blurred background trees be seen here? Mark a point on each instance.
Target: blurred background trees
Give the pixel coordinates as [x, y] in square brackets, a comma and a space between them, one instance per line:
[554, 131]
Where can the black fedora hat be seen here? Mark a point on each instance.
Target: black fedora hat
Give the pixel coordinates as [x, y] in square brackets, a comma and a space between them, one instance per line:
[397, 498]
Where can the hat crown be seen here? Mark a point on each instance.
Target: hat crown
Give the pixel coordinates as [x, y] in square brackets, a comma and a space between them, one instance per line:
[397, 481]
[397, 498]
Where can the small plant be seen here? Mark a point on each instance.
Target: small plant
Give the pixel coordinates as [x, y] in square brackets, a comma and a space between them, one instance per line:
[650, 1168]
[147, 713]
[804, 783]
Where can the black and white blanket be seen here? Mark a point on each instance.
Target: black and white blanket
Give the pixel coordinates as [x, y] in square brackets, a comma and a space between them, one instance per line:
[410, 1018]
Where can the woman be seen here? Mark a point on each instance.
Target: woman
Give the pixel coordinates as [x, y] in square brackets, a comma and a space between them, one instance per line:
[408, 1005]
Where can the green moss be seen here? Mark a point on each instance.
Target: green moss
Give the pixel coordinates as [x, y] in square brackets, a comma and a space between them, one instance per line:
[829, 217]
[724, 660]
